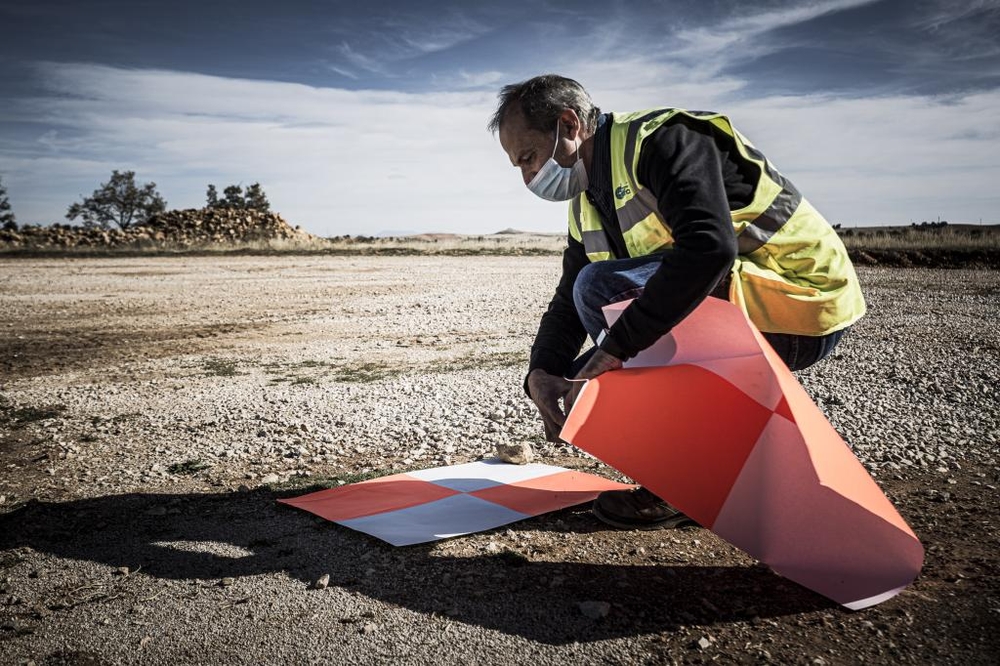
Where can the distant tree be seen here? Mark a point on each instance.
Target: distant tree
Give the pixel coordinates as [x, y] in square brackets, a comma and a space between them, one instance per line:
[255, 199]
[212, 197]
[7, 218]
[119, 201]
[233, 197]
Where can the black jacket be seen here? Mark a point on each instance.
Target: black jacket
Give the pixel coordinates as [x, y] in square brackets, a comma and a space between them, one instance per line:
[688, 168]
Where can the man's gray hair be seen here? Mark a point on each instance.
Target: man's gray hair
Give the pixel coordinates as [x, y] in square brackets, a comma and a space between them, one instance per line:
[541, 100]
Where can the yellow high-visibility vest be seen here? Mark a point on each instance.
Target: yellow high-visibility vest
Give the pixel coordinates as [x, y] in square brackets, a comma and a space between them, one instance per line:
[792, 274]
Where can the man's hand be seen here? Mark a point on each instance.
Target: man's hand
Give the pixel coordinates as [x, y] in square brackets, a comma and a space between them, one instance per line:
[545, 391]
[598, 364]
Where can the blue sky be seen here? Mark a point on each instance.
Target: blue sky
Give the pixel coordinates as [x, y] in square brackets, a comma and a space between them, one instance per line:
[364, 117]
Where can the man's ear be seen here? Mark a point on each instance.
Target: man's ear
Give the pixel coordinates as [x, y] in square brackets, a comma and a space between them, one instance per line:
[570, 124]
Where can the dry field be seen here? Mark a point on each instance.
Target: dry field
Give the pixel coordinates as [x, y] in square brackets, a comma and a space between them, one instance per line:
[153, 408]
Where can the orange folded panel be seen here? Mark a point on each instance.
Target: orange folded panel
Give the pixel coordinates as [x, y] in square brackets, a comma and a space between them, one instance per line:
[711, 420]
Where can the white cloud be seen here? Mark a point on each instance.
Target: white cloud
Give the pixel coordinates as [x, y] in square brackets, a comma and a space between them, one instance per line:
[339, 161]
[892, 159]
[333, 160]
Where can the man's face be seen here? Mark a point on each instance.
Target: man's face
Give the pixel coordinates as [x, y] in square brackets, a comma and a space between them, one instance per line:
[528, 149]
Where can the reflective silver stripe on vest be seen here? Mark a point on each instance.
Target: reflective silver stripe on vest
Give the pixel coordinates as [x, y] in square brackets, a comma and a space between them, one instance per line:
[636, 209]
[576, 214]
[630, 137]
[768, 223]
[765, 225]
[596, 241]
[768, 169]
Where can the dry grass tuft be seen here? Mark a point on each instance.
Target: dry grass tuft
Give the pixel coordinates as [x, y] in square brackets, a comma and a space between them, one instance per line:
[950, 237]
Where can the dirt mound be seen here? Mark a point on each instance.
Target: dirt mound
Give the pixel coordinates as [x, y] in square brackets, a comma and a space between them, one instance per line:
[175, 228]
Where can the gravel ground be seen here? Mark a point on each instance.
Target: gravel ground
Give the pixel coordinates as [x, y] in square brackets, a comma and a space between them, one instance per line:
[152, 410]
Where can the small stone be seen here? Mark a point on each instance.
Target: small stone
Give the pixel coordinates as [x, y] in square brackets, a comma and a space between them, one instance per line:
[595, 610]
[270, 478]
[322, 582]
[516, 454]
[369, 628]
[227, 581]
[122, 571]
[704, 643]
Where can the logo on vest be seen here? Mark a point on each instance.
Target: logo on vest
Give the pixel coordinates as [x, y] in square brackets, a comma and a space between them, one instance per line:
[622, 191]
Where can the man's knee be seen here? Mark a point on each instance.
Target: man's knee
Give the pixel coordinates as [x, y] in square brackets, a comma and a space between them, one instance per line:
[586, 294]
[801, 351]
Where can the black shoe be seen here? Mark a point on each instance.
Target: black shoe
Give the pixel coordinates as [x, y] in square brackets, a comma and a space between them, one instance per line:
[637, 509]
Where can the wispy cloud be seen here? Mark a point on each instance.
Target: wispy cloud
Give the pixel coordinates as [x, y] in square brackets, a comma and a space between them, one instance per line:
[361, 61]
[387, 45]
[463, 80]
[438, 34]
[962, 32]
[949, 12]
[738, 37]
[343, 71]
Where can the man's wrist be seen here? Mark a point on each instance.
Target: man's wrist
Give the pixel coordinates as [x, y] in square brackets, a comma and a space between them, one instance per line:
[607, 344]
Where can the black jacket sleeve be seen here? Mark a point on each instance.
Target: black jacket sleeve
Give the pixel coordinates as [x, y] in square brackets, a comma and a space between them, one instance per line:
[561, 333]
[683, 167]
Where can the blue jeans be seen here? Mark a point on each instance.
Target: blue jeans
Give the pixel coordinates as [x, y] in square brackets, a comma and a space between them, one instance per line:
[604, 282]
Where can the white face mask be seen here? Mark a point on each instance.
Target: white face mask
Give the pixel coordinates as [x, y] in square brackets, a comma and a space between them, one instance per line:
[554, 182]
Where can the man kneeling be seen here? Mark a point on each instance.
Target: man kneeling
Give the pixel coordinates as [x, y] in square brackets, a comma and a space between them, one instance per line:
[668, 207]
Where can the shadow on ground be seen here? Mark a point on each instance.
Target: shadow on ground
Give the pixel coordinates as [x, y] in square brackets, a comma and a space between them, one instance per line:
[537, 600]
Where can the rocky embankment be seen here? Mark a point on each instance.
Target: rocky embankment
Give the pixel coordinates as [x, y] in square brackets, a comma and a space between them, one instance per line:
[189, 228]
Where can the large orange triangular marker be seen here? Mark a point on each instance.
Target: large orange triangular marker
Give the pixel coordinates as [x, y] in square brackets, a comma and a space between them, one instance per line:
[712, 420]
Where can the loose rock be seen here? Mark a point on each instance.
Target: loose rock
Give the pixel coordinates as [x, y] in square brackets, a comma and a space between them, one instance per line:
[517, 454]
